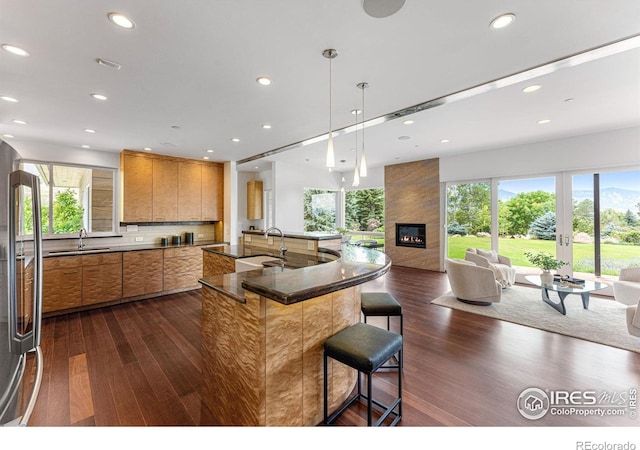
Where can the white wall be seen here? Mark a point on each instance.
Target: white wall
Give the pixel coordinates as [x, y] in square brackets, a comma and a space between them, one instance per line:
[612, 149]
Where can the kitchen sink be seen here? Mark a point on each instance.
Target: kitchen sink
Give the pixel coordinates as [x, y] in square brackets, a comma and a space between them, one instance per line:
[254, 262]
[84, 251]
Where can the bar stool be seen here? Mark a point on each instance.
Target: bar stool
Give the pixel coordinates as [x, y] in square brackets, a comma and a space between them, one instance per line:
[365, 348]
[377, 304]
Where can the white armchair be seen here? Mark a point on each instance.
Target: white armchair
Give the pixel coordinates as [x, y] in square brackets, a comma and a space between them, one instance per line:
[471, 283]
[627, 289]
[499, 264]
[633, 319]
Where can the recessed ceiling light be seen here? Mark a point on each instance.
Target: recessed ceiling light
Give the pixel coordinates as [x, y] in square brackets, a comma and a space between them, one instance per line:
[121, 20]
[403, 138]
[19, 122]
[531, 88]
[408, 122]
[264, 81]
[8, 136]
[85, 146]
[355, 112]
[543, 121]
[205, 157]
[209, 151]
[99, 96]
[502, 21]
[15, 50]
[9, 99]
[235, 140]
[266, 126]
[89, 130]
[444, 141]
[256, 167]
[147, 149]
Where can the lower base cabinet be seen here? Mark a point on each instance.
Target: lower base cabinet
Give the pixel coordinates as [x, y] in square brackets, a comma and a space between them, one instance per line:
[73, 282]
[61, 283]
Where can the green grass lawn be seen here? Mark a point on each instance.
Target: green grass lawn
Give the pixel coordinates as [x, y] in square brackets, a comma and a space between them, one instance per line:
[613, 258]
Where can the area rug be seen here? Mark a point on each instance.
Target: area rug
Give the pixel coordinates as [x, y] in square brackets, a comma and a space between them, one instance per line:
[604, 322]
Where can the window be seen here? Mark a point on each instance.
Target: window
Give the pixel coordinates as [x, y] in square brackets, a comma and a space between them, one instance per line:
[468, 217]
[74, 197]
[364, 210]
[320, 210]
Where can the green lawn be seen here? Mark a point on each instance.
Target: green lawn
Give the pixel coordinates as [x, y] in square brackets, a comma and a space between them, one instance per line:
[613, 258]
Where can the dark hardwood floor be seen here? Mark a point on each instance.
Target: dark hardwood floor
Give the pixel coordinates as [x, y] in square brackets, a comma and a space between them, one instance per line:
[138, 364]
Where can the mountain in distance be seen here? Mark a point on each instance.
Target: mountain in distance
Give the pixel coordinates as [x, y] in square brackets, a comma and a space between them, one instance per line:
[610, 198]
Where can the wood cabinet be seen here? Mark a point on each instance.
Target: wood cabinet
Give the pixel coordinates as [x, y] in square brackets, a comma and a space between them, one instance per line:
[158, 188]
[189, 191]
[137, 187]
[142, 272]
[165, 190]
[182, 267]
[61, 283]
[212, 192]
[101, 278]
[216, 264]
[254, 199]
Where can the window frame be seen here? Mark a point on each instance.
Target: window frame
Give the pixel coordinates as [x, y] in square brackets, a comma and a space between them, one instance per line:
[47, 235]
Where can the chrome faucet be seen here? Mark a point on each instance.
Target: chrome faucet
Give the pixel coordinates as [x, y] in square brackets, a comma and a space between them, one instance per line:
[283, 249]
[83, 233]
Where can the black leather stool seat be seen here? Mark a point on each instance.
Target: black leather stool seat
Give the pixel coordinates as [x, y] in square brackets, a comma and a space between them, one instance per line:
[379, 304]
[363, 347]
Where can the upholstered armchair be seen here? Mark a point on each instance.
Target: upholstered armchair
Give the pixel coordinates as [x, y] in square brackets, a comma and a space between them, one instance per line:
[471, 283]
[633, 319]
[627, 289]
[499, 264]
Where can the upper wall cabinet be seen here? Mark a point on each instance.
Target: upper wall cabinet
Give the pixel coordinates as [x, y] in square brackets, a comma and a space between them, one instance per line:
[158, 188]
[254, 199]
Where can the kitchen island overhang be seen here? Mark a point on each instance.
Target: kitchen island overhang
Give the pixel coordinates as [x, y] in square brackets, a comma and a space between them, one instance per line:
[263, 333]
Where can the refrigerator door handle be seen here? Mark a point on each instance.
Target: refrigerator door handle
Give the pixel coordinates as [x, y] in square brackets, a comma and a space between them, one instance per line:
[23, 342]
[31, 404]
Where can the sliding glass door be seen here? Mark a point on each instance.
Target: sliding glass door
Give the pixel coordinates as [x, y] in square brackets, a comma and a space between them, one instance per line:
[590, 220]
[605, 210]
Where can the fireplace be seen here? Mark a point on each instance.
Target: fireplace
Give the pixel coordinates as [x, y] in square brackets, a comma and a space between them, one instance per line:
[411, 235]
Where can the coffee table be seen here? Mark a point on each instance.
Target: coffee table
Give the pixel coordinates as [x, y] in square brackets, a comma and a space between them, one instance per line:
[564, 290]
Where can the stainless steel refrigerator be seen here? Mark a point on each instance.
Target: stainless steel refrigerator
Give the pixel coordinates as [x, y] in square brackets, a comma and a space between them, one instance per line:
[20, 289]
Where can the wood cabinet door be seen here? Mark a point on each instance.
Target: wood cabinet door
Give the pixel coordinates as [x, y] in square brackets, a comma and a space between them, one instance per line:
[212, 191]
[101, 278]
[137, 195]
[61, 283]
[254, 199]
[165, 190]
[182, 268]
[142, 272]
[189, 191]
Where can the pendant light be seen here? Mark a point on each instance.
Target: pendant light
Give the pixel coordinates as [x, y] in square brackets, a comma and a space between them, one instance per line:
[363, 158]
[356, 177]
[330, 53]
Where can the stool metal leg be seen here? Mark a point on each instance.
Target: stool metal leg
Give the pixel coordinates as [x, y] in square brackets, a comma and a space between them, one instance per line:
[369, 397]
[326, 394]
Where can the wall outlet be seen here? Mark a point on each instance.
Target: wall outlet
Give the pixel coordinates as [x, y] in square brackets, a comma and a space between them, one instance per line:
[311, 245]
[139, 238]
[270, 240]
[132, 228]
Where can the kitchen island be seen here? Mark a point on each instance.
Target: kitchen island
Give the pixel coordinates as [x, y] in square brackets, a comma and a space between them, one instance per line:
[263, 333]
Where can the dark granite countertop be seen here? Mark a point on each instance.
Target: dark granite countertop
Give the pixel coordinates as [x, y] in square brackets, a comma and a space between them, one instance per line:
[356, 265]
[292, 259]
[309, 235]
[92, 250]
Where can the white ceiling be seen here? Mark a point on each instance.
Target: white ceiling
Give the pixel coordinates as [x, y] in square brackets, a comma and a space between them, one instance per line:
[194, 64]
